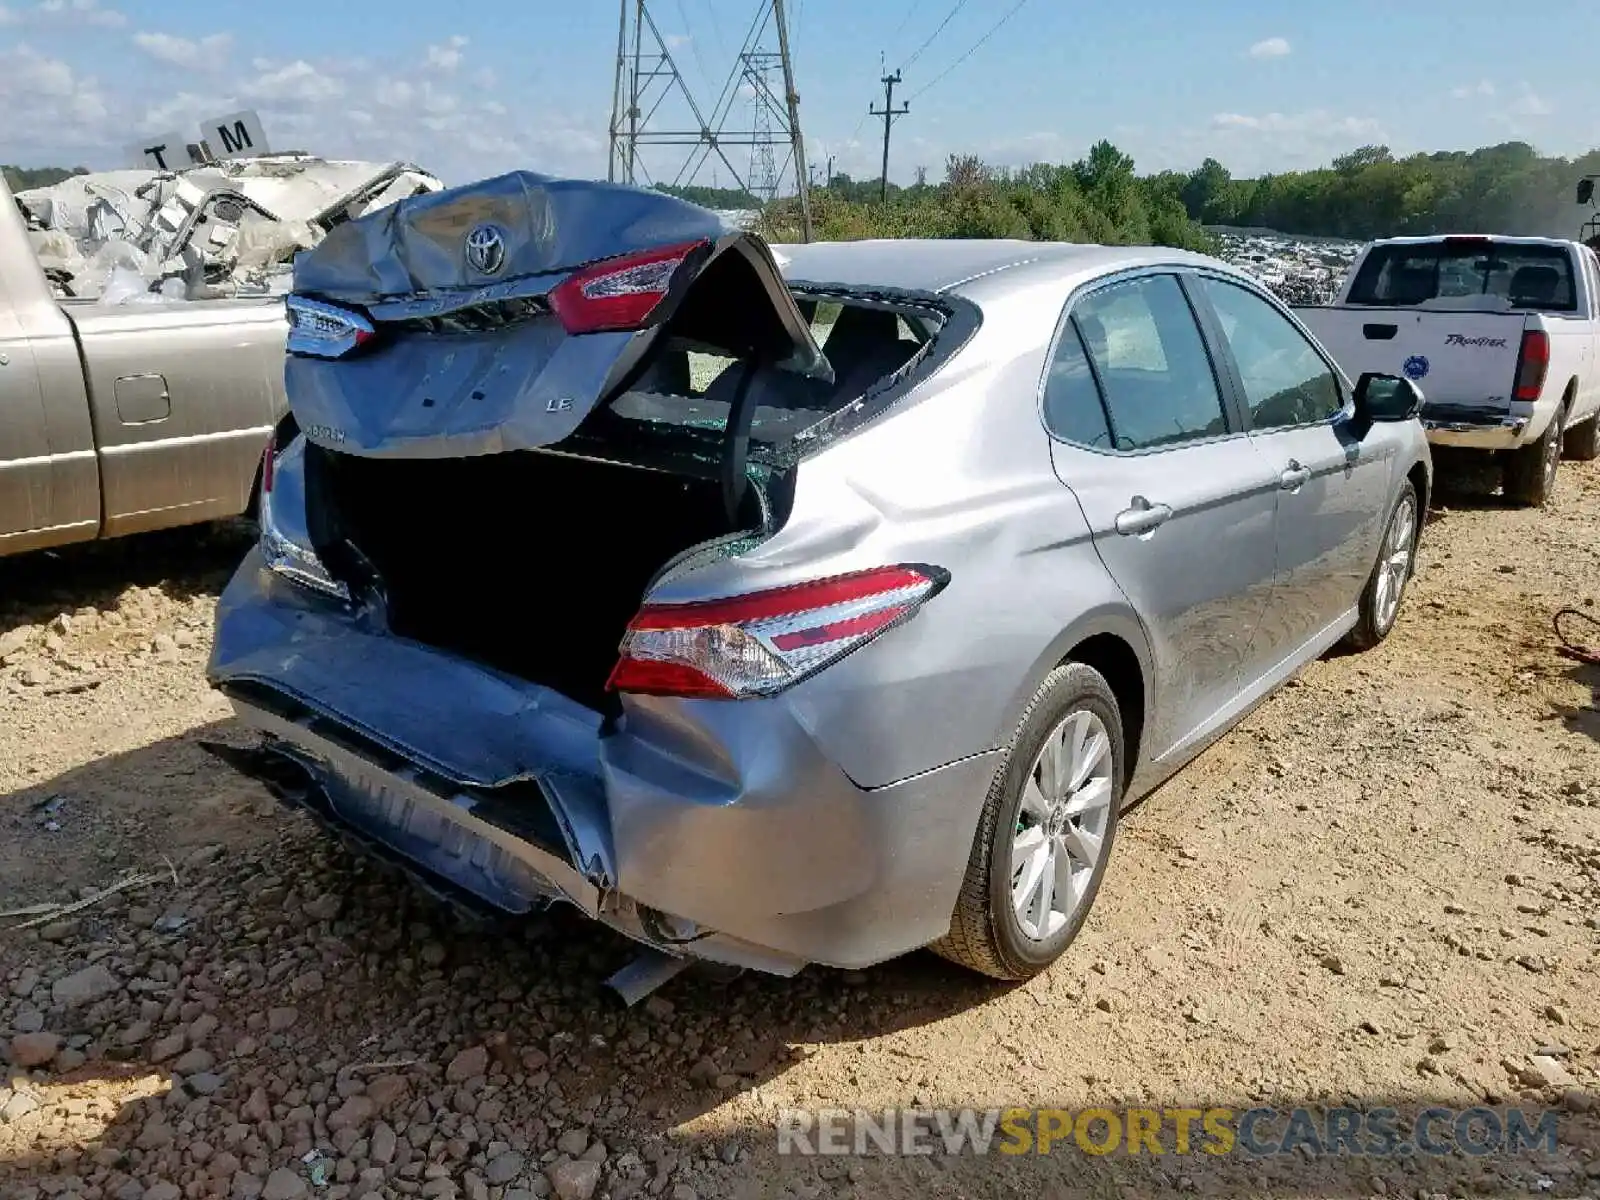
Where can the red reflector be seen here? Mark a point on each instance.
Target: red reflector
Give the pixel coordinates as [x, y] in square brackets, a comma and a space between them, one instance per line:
[1468, 243]
[650, 678]
[266, 465]
[619, 293]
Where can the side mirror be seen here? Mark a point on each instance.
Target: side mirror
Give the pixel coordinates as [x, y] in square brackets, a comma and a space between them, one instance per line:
[1585, 191]
[1386, 398]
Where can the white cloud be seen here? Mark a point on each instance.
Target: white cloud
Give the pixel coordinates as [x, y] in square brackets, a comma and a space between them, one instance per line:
[83, 12]
[1253, 143]
[1272, 47]
[298, 81]
[677, 41]
[7, 17]
[185, 52]
[65, 111]
[1481, 88]
[1530, 104]
[374, 107]
[447, 55]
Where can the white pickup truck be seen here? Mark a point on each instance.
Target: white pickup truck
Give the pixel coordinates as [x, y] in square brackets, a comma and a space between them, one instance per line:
[1500, 334]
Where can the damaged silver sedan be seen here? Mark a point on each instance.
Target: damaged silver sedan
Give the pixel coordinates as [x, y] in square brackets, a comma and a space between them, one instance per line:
[771, 607]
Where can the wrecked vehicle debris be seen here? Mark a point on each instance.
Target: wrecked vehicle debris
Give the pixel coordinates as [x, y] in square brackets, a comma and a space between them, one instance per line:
[612, 567]
[227, 228]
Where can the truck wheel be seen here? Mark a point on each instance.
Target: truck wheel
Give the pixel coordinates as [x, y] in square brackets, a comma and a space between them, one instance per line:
[1045, 833]
[1386, 586]
[1582, 442]
[1531, 471]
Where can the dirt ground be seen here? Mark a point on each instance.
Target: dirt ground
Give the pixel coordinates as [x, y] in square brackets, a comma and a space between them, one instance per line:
[1382, 890]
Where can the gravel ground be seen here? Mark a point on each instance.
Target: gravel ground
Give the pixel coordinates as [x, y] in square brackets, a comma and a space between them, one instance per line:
[1383, 889]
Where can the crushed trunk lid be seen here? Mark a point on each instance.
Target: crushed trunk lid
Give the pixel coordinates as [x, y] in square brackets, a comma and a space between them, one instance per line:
[499, 315]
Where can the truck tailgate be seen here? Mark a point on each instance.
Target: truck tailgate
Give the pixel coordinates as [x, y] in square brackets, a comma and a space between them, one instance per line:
[1460, 360]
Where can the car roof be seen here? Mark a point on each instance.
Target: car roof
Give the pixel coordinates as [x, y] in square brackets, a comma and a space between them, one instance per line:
[957, 264]
[1498, 238]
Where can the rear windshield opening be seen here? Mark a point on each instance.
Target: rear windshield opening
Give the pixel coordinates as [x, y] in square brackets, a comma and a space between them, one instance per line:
[688, 385]
[1523, 276]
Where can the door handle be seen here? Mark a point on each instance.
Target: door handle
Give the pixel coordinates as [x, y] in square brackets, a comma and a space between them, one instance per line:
[1143, 517]
[1294, 476]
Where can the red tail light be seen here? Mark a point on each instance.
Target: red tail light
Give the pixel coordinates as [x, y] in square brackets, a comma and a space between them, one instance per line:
[1532, 362]
[619, 293]
[761, 643]
[266, 465]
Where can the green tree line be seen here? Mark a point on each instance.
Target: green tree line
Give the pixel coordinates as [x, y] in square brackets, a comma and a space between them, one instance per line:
[1509, 188]
[21, 178]
[1100, 198]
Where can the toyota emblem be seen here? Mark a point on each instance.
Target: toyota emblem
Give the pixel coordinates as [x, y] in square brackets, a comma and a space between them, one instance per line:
[486, 250]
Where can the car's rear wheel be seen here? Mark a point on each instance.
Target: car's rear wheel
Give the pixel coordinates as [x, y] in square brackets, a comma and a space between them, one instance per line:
[1045, 833]
[1531, 471]
[1582, 442]
[1386, 586]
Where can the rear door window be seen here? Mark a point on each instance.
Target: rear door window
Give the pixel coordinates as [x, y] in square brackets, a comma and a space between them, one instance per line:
[1150, 362]
[1525, 276]
[1073, 410]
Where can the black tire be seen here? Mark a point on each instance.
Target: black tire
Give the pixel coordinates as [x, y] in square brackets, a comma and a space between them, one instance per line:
[985, 933]
[1530, 478]
[1581, 443]
[1375, 618]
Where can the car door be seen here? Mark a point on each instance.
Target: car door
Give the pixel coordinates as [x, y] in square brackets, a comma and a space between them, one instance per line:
[1179, 500]
[25, 459]
[184, 397]
[1331, 485]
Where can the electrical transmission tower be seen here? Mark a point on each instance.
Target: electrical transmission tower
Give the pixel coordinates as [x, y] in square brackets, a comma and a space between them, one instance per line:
[648, 79]
[763, 167]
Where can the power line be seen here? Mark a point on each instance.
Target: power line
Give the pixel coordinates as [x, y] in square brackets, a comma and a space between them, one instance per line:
[916, 7]
[694, 44]
[950, 16]
[976, 46]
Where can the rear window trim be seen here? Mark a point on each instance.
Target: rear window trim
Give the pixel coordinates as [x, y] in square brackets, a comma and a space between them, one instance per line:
[961, 320]
[697, 449]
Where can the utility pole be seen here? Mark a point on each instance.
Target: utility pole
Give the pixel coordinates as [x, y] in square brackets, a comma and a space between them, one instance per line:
[888, 112]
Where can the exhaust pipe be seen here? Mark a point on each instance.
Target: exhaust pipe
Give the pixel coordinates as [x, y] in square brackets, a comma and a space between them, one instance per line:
[645, 974]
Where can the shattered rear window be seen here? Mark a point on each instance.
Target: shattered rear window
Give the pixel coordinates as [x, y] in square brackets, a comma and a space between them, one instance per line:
[692, 389]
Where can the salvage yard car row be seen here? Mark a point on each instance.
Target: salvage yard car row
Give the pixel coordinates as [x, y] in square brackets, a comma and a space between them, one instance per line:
[779, 605]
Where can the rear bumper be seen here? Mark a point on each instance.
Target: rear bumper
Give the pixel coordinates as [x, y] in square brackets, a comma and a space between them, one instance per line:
[713, 830]
[1476, 430]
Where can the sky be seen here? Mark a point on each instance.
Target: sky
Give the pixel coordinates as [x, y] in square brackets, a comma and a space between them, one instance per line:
[477, 87]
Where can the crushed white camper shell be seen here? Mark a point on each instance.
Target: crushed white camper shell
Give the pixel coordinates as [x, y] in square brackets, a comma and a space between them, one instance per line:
[220, 229]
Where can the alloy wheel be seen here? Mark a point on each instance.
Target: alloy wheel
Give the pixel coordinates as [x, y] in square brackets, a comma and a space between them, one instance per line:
[1059, 841]
[1395, 567]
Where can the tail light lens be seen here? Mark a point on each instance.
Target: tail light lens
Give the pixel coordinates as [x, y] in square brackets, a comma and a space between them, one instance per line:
[761, 643]
[285, 542]
[325, 330]
[267, 458]
[1533, 360]
[619, 293]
